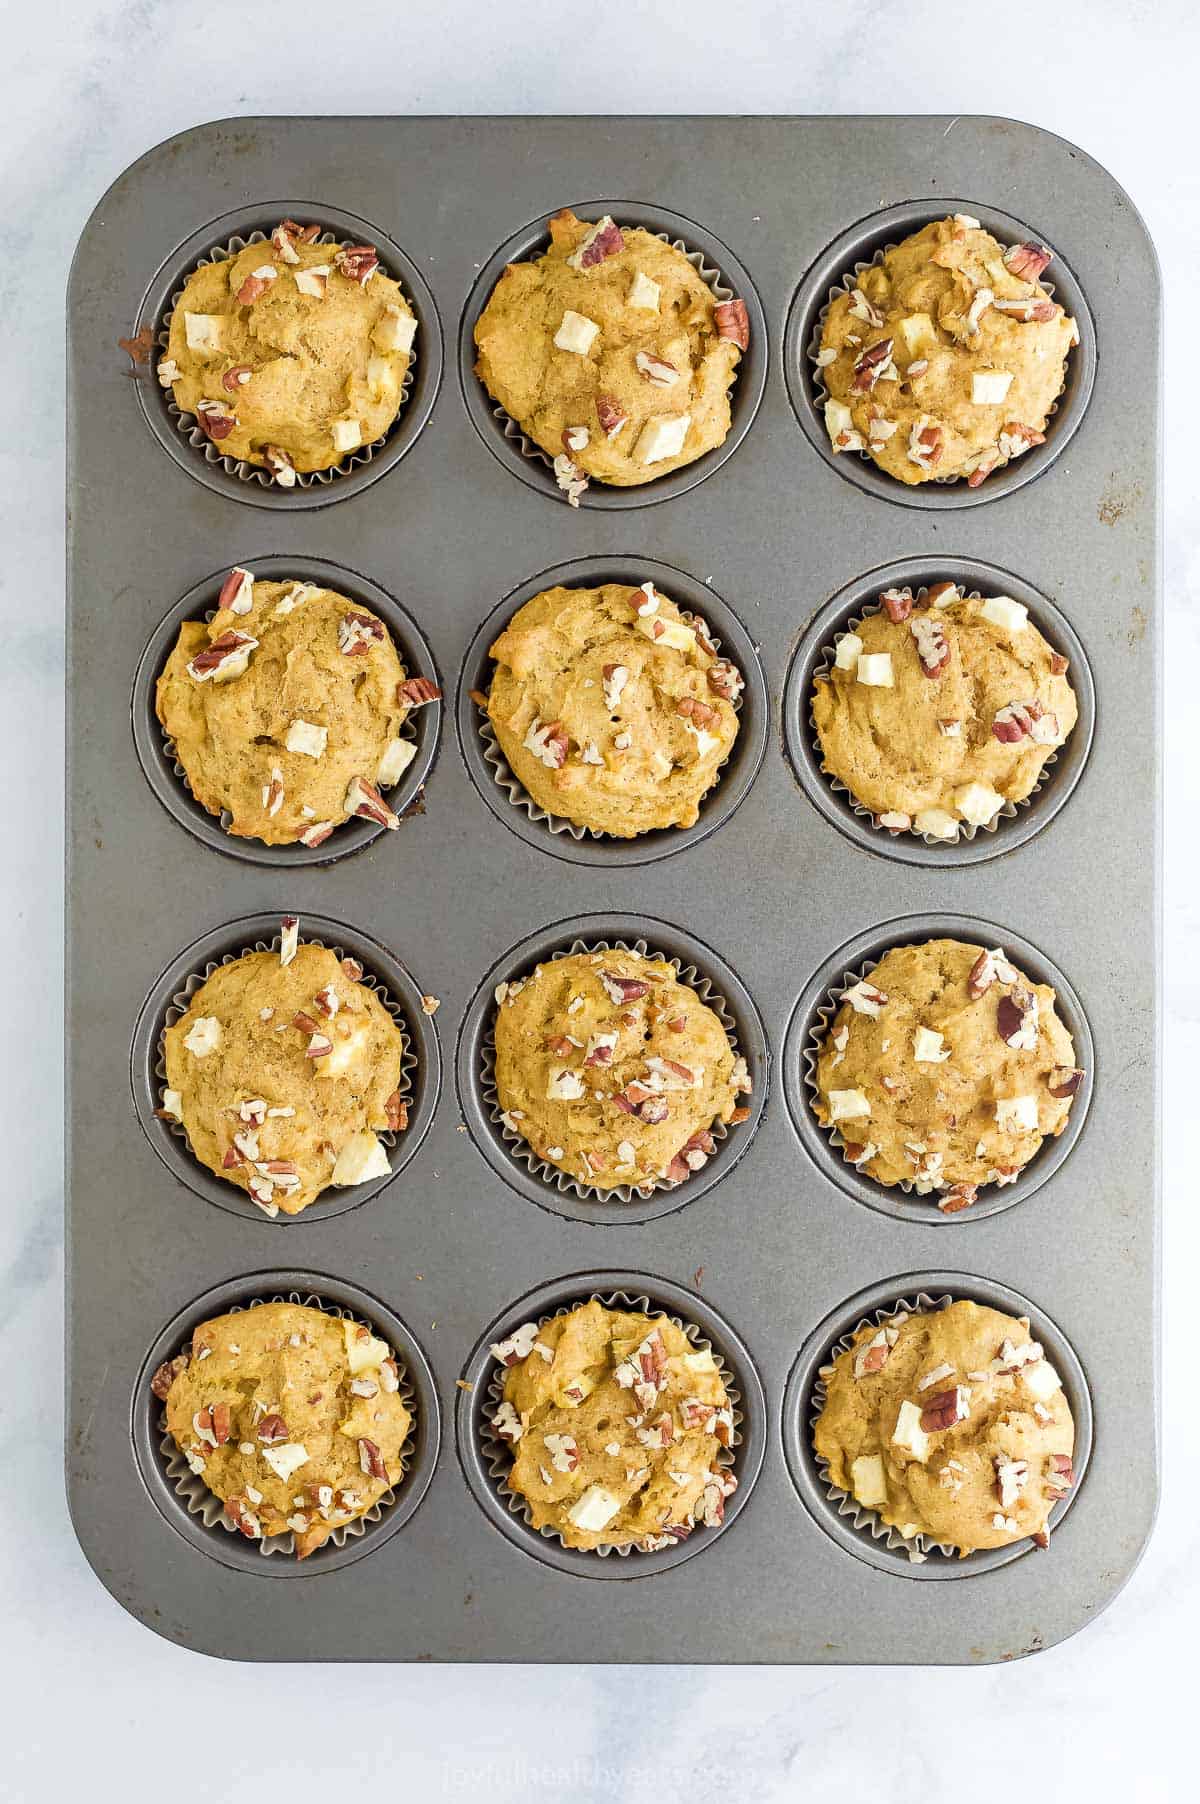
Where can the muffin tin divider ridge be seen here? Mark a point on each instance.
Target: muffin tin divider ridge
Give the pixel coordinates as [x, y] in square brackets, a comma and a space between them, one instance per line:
[774, 1246]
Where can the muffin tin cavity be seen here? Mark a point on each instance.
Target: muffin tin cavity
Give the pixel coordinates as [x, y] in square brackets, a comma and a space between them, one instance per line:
[192, 1510]
[421, 1071]
[513, 1160]
[178, 432]
[503, 793]
[724, 275]
[860, 1532]
[816, 1006]
[165, 775]
[1014, 825]
[861, 245]
[485, 1460]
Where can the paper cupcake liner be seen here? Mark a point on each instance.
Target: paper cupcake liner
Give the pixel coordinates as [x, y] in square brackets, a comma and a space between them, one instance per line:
[499, 1455]
[917, 1547]
[846, 285]
[966, 831]
[713, 280]
[521, 1149]
[811, 1052]
[198, 1500]
[224, 818]
[188, 425]
[180, 1001]
[506, 780]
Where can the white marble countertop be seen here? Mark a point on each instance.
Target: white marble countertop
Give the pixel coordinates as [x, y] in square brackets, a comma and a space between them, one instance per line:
[88, 1693]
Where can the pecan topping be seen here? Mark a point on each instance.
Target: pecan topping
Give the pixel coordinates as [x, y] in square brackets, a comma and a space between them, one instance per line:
[987, 968]
[924, 441]
[897, 604]
[414, 692]
[1064, 1080]
[601, 240]
[933, 647]
[726, 680]
[256, 285]
[1015, 438]
[1025, 720]
[371, 1460]
[623, 989]
[548, 742]
[1017, 1020]
[271, 1429]
[280, 464]
[610, 415]
[943, 1410]
[287, 235]
[357, 633]
[733, 322]
[237, 377]
[304, 1023]
[215, 419]
[958, 1196]
[656, 370]
[230, 648]
[699, 713]
[363, 798]
[396, 1111]
[166, 1375]
[1058, 664]
[871, 365]
[353, 969]
[357, 262]
[1027, 261]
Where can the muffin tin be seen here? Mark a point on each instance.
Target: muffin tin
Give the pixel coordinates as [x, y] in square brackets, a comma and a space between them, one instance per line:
[770, 1253]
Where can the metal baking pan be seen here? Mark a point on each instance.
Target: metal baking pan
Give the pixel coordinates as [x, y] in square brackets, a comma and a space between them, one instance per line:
[778, 1250]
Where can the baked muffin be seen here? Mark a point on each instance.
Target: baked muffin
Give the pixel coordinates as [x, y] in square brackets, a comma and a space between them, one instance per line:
[952, 1424]
[613, 1070]
[612, 707]
[948, 356]
[617, 1423]
[291, 1417]
[610, 352]
[287, 710]
[937, 711]
[945, 1069]
[290, 354]
[283, 1070]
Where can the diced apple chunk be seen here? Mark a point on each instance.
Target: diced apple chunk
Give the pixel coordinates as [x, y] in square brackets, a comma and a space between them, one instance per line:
[661, 437]
[847, 1105]
[908, 1432]
[644, 293]
[394, 330]
[396, 759]
[875, 669]
[347, 435]
[919, 335]
[989, 387]
[364, 1352]
[936, 823]
[576, 333]
[364, 1156]
[867, 1480]
[977, 803]
[593, 1510]
[849, 650]
[1016, 1114]
[204, 331]
[1003, 611]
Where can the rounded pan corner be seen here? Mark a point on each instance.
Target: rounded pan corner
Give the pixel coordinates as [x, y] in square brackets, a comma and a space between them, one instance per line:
[133, 1608]
[1077, 151]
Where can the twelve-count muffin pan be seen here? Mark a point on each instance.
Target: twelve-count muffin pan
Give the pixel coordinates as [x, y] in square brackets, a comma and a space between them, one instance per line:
[777, 1249]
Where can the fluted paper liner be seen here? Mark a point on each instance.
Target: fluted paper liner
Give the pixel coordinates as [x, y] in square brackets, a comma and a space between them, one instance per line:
[505, 779]
[846, 285]
[198, 1500]
[966, 831]
[189, 426]
[521, 1149]
[180, 1000]
[712, 278]
[499, 1455]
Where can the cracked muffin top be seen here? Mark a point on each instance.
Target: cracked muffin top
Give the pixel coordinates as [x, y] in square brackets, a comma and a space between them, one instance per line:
[611, 353]
[613, 1070]
[617, 1424]
[938, 710]
[286, 710]
[950, 1423]
[283, 1070]
[291, 1417]
[612, 707]
[945, 1069]
[291, 354]
[947, 357]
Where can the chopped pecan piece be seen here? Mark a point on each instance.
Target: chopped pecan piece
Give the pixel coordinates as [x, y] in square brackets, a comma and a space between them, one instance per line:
[1064, 1081]
[987, 968]
[271, 1429]
[1017, 1020]
[215, 419]
[237, 377]
[414, 692]
[871, 365]
[357, 262]
[933, 647]
[166, 1375]
[733, 322]
[363, 798]
[357, 633]
[958, 1196]
[396, 1111]
[897, 604]
[371, 1459]
[279, 463]
[699, 713]
[726, 680]
[1027, 261]
[943, 1410]
[256, 285]
[610, 415]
